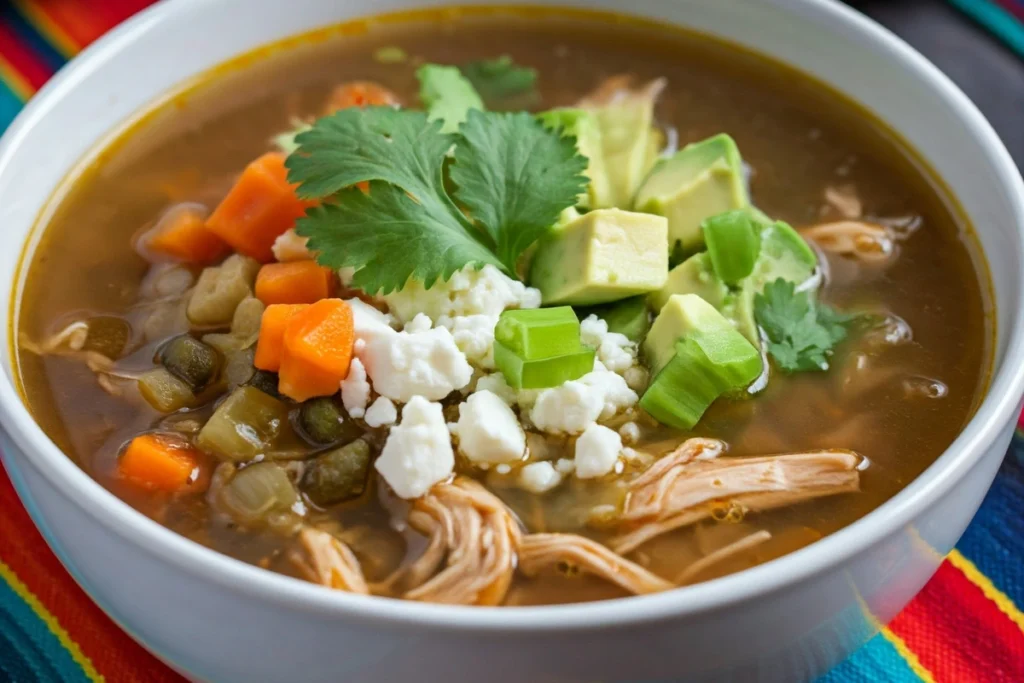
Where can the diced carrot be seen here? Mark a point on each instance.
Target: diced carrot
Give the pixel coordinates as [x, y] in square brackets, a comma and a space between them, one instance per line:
[271, 340]
[182, 234]
[359, 94]
[296, 282]
[261, 206]
[317, 350]
[162, 462]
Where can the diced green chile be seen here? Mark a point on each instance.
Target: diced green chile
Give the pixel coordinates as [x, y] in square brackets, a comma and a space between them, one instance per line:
[324, 422]
[248, 423]
[337, 475]
[190, 360]
[256, 492]
[164, 391]
[265, 381]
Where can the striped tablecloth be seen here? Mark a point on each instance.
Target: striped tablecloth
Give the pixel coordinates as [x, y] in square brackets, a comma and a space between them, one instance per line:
[965, 626]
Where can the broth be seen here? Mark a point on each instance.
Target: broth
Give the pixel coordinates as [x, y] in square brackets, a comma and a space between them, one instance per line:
[899, 410]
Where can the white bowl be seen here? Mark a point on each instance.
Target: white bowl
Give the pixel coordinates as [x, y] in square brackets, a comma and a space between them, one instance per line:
[217, 619]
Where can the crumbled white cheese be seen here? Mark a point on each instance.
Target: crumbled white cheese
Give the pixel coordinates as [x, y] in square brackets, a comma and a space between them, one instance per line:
[474, 335]
[367, 321]
[488, 430]
[290, 246]
[574, 405]
[503, 468]
[418, 361]
[597, 451]
[497, 385]
[539, 477]
[614, 350]
[418, 451]
[565, 466]
[381, 413]
[636, 378]
[613, 390]
[630, 432]
[355, 390]
[486, 291]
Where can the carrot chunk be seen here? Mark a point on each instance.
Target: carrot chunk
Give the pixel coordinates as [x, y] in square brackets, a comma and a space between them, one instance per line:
[182, 234]
[161, 462]
[296, 282]
[317, 350]
[261, 206]
[271, 340]
[360, 94]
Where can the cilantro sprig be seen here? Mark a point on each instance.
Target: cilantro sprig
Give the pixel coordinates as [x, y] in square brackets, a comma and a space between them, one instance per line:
[511, 178]
[499, 78]
[802, 333]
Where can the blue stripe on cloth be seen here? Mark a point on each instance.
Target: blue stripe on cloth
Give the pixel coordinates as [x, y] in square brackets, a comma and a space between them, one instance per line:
[994, 542]
[31, 652]
[34, 40]
[997, 20]
[10, 105]
[876, 661]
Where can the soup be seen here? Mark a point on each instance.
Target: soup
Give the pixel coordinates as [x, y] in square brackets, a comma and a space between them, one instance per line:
[504, 308]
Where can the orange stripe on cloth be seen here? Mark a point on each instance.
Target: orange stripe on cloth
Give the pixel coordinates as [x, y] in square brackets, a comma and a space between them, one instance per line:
[913, 663]
[72, 24]
[958, 634]
[22, 591]
[13, 79]
[115, 656]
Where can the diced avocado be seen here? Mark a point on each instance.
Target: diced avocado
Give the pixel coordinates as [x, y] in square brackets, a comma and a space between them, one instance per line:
[583, 125]
[630, 317]
[629, 145]
[693, 276]
[682, 316]
[604, 255]
[535, 333]
[699, 181]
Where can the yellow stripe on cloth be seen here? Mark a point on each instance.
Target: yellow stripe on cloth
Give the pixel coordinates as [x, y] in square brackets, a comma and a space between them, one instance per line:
[22, 591]
[908, 655]
[50, 30]
[974, 575]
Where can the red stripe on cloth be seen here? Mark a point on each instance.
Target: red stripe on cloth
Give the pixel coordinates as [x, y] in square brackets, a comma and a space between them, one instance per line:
[84, 22]
[958, 634]
[116, 656]
[20, 56]
[1014, 7]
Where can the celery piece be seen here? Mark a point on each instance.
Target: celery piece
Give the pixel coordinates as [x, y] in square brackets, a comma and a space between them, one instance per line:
[257, 492]
[539, 333]
[734, 244]
[705, 366]
[246, 424]
[546, 372]
[164, 391]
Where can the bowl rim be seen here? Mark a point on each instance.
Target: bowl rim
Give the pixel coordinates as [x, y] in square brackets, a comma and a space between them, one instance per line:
[1001, 399]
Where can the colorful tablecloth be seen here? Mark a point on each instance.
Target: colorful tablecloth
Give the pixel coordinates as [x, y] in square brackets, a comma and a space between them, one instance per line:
[965, 626]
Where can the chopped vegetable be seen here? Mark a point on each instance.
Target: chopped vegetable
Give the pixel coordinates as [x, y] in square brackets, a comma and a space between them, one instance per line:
[802, 333]
[182, 234]
[734, 244]
[324, 422]
[190, 360]
[447, 95]
[245, 323]
[260, 206]
[270, 346]
[500, 78]
[317, 350]
[258, 491]
[266, 382]
[238, 367]
[161, 462]
[337, 475]
[546, 372]
[164, 391]
[539, 332]
[392, 54]
[629, 317]
[220, 289]
[297, 282]
[246, 424]
[513, 175]
[360, 94]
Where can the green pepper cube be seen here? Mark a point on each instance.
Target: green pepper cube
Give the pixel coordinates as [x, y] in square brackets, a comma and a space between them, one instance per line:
[543, 373]
[537, 333]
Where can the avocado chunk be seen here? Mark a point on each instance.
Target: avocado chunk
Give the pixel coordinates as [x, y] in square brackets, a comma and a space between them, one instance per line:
[695, 275]
[684, 315]
[602, 256]
[629, 317]
[583, 125]
[699, 181]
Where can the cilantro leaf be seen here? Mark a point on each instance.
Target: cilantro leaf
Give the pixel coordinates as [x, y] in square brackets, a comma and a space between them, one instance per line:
[499, 78]
[447, 95]
[515, 176]
[388, 237]
[801, 332]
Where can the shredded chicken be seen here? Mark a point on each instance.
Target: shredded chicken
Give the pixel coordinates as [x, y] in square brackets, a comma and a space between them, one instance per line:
[844, 200]
[471, 554]
[325, 560]
[682, 488]
[618, 88]
[723, 553]
[867, 242]
[70, 343]
[540, 551]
